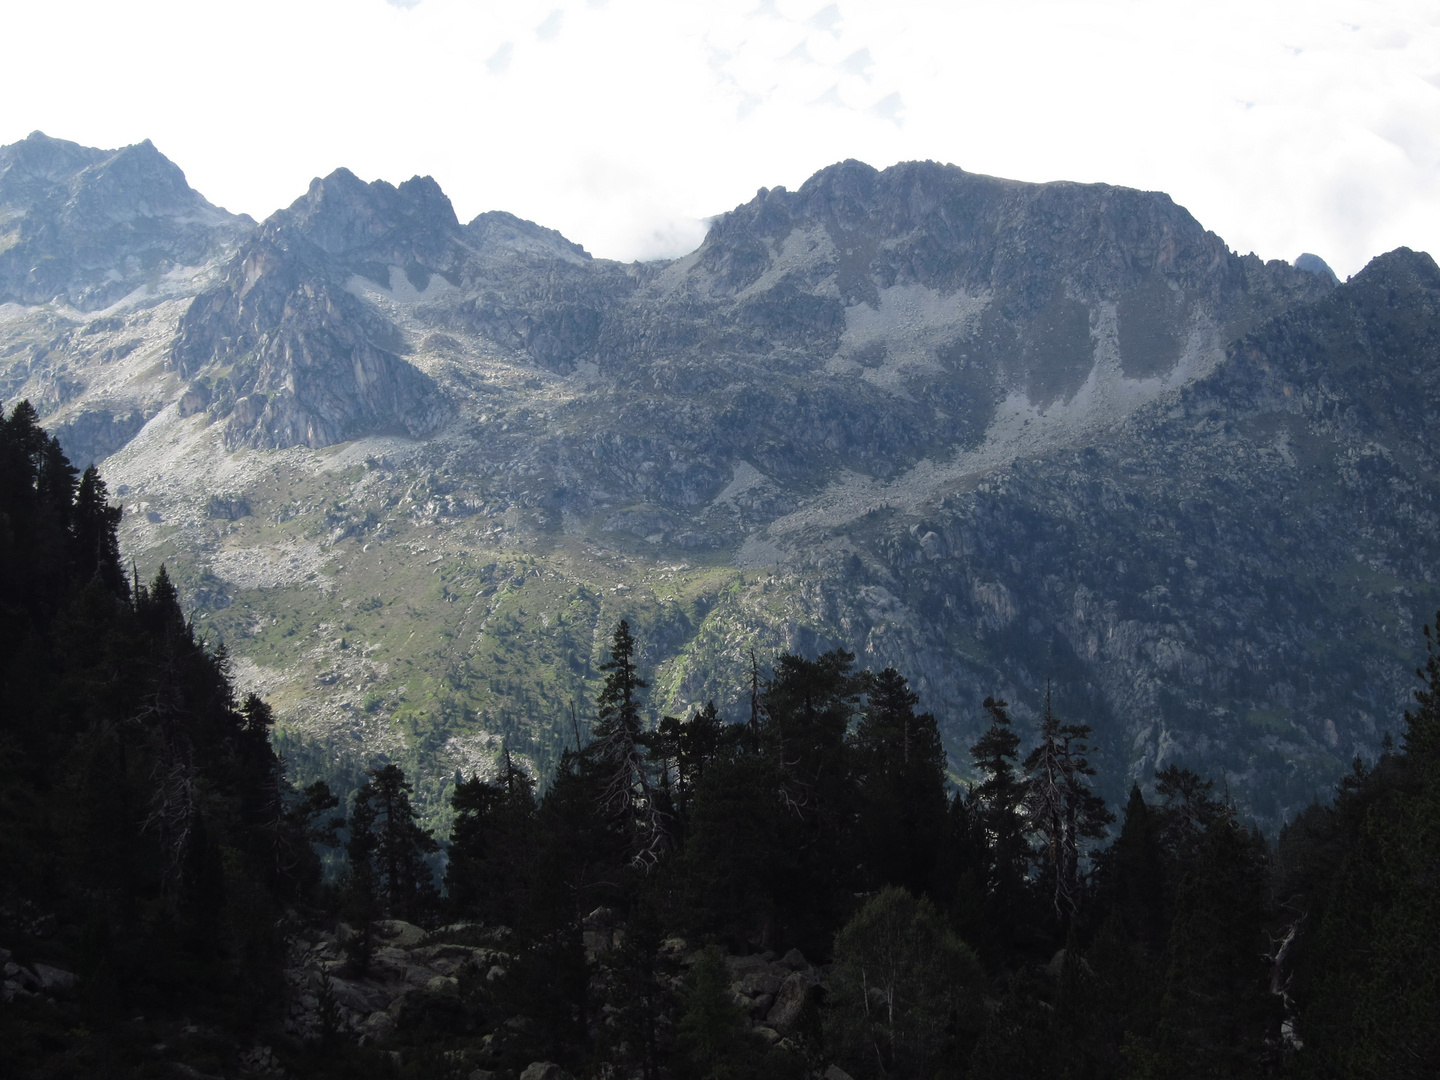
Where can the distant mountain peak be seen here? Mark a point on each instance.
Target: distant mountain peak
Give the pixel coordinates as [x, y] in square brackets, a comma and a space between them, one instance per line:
[1401, 278]
[1315, 265]
[93, 225]
[40, 158]
[341, 214]
[497, 227]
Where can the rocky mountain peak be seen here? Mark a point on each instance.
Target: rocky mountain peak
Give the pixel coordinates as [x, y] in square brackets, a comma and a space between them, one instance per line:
[137, 182]
[1402, 275]
[942, 228]
[1316, 265]
[345, 217]
[92, 188]
[40, 160]
[303, 360]
[89, 226]
[499, 233]
[848, 192]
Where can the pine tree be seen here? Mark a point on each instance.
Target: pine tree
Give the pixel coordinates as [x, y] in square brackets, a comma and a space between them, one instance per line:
[1061, 807]
[738, 864]
[1218, 1016]
[629, 797]
[490, 844]
[387, 848]
[97, 551]
[999, 811]
[362, 882]
[579, 855]
[713, 1034]
[809, 708]
[1366, 967]
[901, 769]
[309, 822]
[638, 996]
[1421, 740]
[687, 748]
[1187, 811]
[1135, 874]
[142, 802]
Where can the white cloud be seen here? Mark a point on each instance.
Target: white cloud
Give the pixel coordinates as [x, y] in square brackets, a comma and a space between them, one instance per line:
[1286, 126]
[859, 63]
[891, 107]
[827, 19]
[549, 30]
[499, 61]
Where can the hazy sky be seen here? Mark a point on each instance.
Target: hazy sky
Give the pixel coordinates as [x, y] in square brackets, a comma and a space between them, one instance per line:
[1284, 125]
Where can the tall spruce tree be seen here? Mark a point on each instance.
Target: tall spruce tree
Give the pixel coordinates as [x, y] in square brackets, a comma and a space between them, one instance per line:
[387, 848]
[490, 845]
[713, 1035]
[686, 749]
[1134, 874]
[97, 550]
[1218, 1016]
[998, 803]
[809, 708]
[142, 801]
[1364, 876]
[900, 764]
[629, 797]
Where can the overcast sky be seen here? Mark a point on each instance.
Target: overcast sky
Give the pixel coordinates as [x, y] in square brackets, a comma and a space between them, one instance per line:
[1283, 125]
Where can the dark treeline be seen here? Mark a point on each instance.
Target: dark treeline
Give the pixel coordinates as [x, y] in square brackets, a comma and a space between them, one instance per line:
[149, 841]
[1016, 927]
[1013, 928]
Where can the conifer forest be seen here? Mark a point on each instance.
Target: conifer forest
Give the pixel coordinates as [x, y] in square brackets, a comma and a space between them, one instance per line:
[799, 890]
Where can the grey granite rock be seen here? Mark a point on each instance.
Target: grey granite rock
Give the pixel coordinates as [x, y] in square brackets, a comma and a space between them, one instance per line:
[90, 226]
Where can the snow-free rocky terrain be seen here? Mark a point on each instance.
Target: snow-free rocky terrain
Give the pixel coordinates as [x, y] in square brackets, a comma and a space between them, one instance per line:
[412, 471]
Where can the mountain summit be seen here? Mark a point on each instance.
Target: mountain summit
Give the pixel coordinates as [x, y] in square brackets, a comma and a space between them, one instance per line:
[85, 227]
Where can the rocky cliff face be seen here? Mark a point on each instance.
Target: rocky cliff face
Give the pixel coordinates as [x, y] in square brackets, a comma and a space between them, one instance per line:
[284, 353]
[1234, 575]
[994, 433]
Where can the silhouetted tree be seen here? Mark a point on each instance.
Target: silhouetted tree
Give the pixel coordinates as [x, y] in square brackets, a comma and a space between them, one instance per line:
[998, 809]
[713, 1034]
[686, 748]
[1218, 1016]
[387, 847]
[1061, 807]
[619, 749]
[490, 845]
[900, 765]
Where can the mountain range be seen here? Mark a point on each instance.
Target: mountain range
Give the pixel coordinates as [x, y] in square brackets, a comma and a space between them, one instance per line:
[1013, 439]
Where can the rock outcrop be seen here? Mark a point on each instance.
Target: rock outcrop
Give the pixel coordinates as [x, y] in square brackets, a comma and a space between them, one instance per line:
[284, 353]
[407, 969]
[34, 980]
